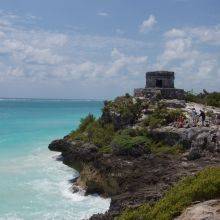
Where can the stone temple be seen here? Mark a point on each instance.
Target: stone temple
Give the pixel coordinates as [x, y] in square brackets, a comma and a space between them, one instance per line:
[160, 82]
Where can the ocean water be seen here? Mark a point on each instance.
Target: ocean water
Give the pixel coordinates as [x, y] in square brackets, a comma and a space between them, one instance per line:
[33, 184]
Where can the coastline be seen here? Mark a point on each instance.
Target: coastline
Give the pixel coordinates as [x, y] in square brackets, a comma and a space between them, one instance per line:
[138, 150]
[129, 182]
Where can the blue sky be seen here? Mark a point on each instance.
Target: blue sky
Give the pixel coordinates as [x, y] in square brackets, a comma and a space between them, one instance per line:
[100, 49]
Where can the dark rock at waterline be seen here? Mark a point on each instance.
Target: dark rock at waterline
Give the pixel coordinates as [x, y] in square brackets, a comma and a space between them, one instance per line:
[59, 145]
[75, 189]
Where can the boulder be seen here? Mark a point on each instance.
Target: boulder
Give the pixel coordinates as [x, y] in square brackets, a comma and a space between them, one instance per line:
[193, 154]
[59, 145]
[208, 210]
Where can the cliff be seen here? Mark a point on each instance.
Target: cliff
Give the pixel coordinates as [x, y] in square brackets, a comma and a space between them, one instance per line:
[135, 152]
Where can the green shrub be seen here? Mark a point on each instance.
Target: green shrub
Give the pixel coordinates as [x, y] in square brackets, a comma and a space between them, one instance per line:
[125, 144]
[101, 135]
[84, 122]
[161, 148]
[173, 115]
[123, 111]
[129, 131]
[153, 121]
[213, 99]
[105, 150]
[205, 98]
[161, 117]
[92, 130]
[204, 185]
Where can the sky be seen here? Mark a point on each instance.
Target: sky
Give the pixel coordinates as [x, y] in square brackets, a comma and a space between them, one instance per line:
[99, 49]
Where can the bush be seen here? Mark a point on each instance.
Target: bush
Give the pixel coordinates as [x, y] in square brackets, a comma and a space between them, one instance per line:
[105, 150]
[173, 115]
[127, 145]
[162, 117]
[84, 122]
[91, 130]
[123, 111]
[129, 131]
[101, 135]
[153, 121]
[212, 99]
[161, 148]
[204, 185]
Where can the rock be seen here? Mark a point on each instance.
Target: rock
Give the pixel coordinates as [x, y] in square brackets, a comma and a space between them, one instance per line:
[194, 154]
[130, 180]
[208, 210]
[59, 145]
[201, 138]
[75, 189]
[174, 103]
[218, 119]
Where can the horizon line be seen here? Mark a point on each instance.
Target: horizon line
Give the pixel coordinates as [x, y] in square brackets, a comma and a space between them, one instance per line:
[22, 98]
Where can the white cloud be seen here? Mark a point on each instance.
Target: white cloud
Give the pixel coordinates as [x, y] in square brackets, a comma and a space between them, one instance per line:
[147, 24]
[123, 62]
[206, 34]
[175, 49]
[119, 63]
[41, 55]
[175, 33]
[202, 34]
[104, 14]
[185, 52]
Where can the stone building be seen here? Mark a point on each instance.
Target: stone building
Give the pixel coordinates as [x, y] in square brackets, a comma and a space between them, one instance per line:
[160, 83]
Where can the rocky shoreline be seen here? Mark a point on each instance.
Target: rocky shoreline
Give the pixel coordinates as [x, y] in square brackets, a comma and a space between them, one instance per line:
[138, 149]
[129, 181]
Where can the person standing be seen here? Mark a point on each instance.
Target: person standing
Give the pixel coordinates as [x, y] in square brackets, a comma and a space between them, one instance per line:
[194, 117]
[202, 115]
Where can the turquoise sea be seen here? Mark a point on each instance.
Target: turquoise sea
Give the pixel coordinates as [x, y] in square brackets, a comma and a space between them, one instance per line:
[33, 184]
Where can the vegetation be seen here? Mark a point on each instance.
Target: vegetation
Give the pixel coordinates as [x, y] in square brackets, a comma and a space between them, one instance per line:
[158, 147]
[92, 130]
[126, 141]
[161, 117]
[212, 99]
[127, 145]
[122, 111]
[203, 186]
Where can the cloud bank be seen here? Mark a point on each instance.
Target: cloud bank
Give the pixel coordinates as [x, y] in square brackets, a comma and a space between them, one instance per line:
[102, 66]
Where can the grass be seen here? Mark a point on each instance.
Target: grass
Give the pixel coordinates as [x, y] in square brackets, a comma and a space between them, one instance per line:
[203, 186]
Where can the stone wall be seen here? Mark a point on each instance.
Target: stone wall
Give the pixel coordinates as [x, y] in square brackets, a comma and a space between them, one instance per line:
[166, 93]
[160, 79]
[140, 92]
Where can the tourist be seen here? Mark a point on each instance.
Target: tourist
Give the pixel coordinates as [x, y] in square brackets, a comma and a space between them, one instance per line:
[194, 117]
[202, 115]
[180, 121]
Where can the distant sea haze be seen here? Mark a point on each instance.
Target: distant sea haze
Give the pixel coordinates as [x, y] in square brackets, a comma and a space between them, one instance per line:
[33, 184]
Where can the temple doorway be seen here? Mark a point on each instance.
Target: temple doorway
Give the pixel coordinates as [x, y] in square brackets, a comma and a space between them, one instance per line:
[159, 83]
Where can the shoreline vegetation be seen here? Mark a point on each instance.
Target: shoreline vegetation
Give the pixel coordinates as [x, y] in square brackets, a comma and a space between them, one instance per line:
[149, 156]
